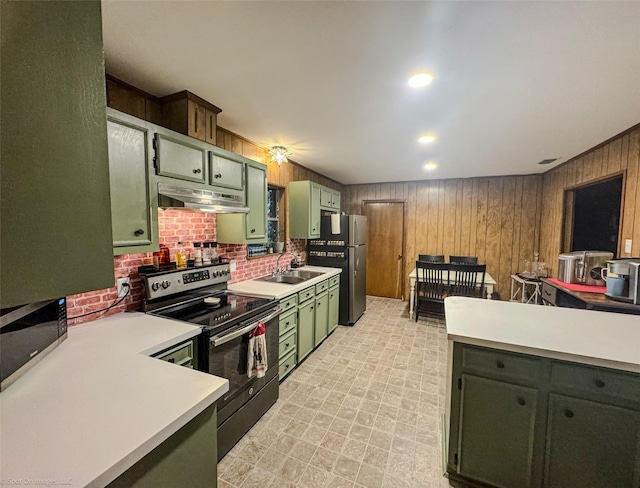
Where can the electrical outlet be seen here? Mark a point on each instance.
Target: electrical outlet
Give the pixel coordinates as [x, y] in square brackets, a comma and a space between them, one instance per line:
[627, 246]
[232, 265]
[121, 286]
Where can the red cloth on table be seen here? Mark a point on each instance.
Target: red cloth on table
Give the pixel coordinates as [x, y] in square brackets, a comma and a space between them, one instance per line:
[578, 287]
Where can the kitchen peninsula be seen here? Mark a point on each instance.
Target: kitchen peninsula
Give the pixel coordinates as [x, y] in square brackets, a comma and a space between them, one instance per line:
[542, 396]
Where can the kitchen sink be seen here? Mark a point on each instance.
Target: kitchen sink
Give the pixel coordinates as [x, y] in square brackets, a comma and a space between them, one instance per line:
[292, 277]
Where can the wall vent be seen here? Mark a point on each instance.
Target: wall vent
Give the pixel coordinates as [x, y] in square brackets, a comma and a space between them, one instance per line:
[548, 161]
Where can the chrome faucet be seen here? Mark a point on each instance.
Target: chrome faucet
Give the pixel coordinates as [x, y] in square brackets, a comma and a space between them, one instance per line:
[277, 269]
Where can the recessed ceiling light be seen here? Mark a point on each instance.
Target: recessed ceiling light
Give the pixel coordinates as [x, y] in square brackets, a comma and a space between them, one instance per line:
[427, 139]
[430, 166]
[420, 79]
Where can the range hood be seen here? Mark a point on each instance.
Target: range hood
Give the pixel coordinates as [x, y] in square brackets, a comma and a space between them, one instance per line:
[174, 196]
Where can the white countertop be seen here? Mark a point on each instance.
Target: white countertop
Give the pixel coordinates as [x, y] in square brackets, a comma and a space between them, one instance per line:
[281, 290]
[586, 336]
[98, 403]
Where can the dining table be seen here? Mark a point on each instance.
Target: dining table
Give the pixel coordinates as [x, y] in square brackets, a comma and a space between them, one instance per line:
[489, 283]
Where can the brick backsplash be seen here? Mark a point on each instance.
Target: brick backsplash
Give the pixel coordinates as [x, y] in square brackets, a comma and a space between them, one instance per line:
[174, 226]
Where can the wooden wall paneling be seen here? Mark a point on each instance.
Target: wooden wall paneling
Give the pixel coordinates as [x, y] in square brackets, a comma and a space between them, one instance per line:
[431, 244]
[506, 233]
[518, 217]
[473, 217]
[615, 156]
[587, 168]
[422, 219]
[385, 191]
[412, 246]
[529, 220]
[458, 225]
[449, 223]
[481, 220]
[494, 209]
[633, 208]
[440, 228]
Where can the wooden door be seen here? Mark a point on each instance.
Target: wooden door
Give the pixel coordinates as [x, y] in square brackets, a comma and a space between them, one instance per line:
[384, 248]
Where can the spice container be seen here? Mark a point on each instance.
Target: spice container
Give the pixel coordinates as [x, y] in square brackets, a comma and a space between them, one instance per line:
[197, 254]
[181, 257]
[206, 253]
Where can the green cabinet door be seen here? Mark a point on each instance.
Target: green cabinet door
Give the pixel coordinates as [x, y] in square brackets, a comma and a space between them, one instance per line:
[133, 219]
[55, 238]
[495, 442]
[321, 317]
[591, 444]
[335, 201]
[180, 157]
[314, 212]
[325, 198]
[226, 172]
[306, 316]
[256, 219]
[334, 308]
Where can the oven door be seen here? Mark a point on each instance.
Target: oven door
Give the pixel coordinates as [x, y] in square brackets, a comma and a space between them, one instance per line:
[228, 358]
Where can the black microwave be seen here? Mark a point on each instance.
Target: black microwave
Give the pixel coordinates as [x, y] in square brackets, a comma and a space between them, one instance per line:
[27, 334]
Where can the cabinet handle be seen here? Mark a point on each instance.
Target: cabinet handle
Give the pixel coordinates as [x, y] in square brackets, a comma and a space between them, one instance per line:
[210, 126]
[286, 366]
[286, 345]
[196, 119]
[196, 171]
[521, 401]
[310, 308]
[599, 383]
[319, 304]
[500, 364]
[286, 323]
[568, 413]
[217, 175]
[253, 230]
[138, 232]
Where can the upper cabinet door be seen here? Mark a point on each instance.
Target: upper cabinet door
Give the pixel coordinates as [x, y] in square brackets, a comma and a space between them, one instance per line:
[256, 223]
[335, 200]
[128, 165]
[197, 120]
[325, 198]
[211, 126]
[314, 211]
[180, 159]
[226, 172]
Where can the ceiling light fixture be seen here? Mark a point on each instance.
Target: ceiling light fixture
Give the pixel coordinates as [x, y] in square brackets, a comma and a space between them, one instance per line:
[420, 79]
[279, 154]
[427, 139]
[430, 166]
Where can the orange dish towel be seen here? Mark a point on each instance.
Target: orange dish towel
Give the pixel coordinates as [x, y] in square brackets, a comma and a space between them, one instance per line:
[257, 356]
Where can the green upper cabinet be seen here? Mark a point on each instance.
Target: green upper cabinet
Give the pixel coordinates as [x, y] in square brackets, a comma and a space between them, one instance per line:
[251, 227]
[180, 157]
[133, 217]
[226, 172]
[335, 201]
[54, 172]
[304, 209]
[325, 198]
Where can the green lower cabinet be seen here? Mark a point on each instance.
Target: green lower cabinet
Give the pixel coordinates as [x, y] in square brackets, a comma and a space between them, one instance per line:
[321, 318]
[187, 458]
[591, 444]
[287, 364]
[497, 420]
[306, 318]
[334, 308]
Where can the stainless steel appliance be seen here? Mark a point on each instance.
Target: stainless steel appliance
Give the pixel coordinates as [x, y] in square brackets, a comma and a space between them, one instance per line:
[346, 249]
[583, 267]
[626, 273]
[27, 334]
[223, 346]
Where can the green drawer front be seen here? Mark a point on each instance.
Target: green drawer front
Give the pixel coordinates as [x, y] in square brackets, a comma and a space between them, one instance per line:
[287, 364]
[320, 287]
[305, 295]
[596, 380]
[501, 364]
[288, 322]
[289, 302]
[334, 280]
[181, 355]
[287, 344]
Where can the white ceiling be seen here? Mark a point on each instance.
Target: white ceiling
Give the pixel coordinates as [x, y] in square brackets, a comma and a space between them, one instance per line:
[515, 82]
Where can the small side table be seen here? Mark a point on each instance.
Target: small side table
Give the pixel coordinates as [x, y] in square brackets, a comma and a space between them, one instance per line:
[525, 290]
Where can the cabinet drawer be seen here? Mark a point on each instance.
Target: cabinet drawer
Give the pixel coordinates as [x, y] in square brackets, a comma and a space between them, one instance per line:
[334, 280]
[181, 355]
[305, 295]
[287, 344]
[549, 293]
[596, 380]
[499, 363]
[288, 322]
[288, 303]
[322, 287]
[287, 364]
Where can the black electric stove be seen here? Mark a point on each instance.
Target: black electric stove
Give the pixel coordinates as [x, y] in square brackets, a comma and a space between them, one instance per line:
[223, 345]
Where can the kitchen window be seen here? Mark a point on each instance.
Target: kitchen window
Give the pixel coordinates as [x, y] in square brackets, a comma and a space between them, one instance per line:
[275, 225]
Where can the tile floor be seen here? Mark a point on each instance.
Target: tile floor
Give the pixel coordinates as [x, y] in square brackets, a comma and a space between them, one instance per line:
[364, 410]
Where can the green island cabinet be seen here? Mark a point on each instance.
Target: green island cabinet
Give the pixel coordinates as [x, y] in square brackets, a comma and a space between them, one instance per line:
[187, 458]
[134, 214]
[251, 227]
[307, 318]
[306, 200]
[519, 421]
[56, 218]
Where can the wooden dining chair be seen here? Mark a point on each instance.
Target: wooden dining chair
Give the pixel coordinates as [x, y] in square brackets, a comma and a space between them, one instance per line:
[432, 286]
[431, 258]
[463, 259]
[467, 280]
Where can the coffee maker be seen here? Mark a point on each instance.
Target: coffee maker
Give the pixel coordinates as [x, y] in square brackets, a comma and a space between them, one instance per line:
[623, 280]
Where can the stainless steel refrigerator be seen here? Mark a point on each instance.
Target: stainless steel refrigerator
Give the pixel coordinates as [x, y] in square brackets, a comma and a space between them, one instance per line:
[344, 246]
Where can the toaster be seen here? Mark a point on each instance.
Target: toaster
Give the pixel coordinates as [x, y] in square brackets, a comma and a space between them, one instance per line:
[583, 267]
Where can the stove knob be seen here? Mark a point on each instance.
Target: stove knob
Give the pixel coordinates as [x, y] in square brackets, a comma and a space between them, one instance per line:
[166, 284]
[155, 286]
